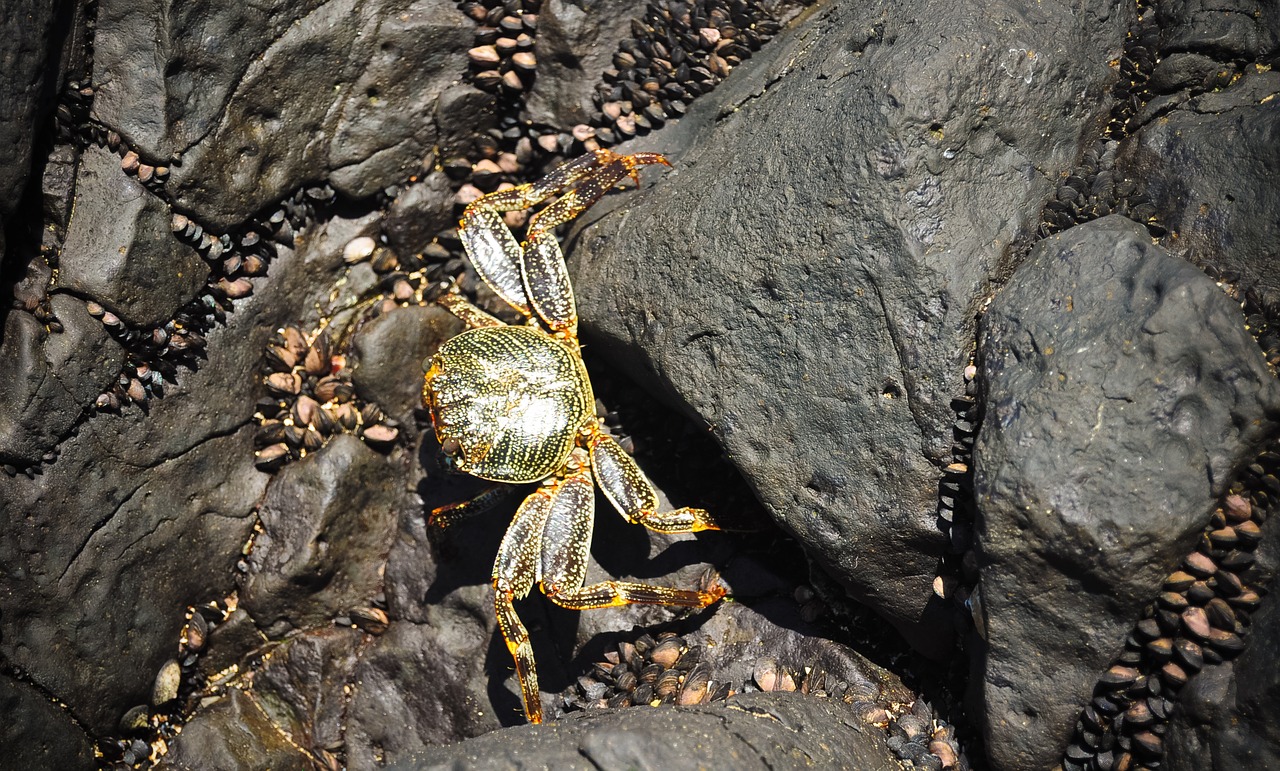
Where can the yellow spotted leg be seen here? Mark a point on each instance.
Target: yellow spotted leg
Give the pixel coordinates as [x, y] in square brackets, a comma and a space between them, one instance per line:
[632, 494]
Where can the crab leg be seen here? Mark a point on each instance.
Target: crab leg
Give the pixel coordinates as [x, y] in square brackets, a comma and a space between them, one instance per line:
[566, 541]
[494, 252]
[514, 574]
[472, 316]
[448, 515]
[546, 277]
[534, 279]
[626, 487]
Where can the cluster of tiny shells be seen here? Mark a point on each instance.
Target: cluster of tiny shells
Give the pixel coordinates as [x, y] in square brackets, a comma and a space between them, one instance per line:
[677, 51]
[311, 399]
[154, 354]
[648, 671]
[503, 59]
[1091, 190]
[145, 730]
[1136, 62]
[956, 508]
[1200, 619]
[669, 669]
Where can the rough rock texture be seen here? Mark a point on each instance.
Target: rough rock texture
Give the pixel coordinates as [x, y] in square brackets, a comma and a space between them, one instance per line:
[234, 734]
[319, 521]
[753, 731]
[120, 249]
[1236, 30]
[869, 176]
[806, 280]
[1111, 370]
[391, 351]
[576, 40]
[358, 80]
[49, 379]
[26, 96]
[105, 549]
[1210, 165]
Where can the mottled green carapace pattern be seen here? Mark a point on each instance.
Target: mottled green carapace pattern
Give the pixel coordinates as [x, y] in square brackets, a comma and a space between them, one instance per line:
[513, 398]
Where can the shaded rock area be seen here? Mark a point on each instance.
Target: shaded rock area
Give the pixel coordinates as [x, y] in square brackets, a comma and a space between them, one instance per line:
[37, 733]
[49, 378]
[26, 100]
[225, 230]
[861, 228]
[750, 731]
[1110, 369]
[1210, 163]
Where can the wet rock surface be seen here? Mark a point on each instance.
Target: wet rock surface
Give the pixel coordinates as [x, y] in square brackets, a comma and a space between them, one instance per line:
[861, 229]
[1110, 369]
[217, 473]
[750, 731]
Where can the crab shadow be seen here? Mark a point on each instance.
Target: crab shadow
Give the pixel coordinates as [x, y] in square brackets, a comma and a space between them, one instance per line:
[466, 549]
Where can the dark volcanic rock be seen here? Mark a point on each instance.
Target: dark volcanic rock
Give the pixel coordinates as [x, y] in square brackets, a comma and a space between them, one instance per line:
[419, 213]
[98, 574]
[422, 685]
[29, 83]
[143, 513]
[806, 280]
[327, 523]
[391, 350]
[342, 91]
[1210, 167]
[49, 378]
[234, 734]
[297, 706]
[751, 731]
[35, 733]
[120, 249]
[1240, 30]
[575, 43]
[1122, 392]
[164, 71]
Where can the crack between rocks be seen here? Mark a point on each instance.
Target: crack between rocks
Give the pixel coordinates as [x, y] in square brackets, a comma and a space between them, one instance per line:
[120, 506]
[758, 715]
[25, 678]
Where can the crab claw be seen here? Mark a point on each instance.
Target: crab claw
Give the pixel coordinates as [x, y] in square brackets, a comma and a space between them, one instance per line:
[634, 161]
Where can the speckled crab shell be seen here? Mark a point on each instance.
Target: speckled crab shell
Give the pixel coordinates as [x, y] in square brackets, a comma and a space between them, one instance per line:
[511, 398]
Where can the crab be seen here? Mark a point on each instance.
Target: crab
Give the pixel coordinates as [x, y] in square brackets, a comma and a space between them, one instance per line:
[513, 404]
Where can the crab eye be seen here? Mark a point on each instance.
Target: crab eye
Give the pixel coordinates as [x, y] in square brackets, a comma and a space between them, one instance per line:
[451, 447]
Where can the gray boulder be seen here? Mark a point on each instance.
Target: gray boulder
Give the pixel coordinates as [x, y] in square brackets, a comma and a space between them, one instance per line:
[1111, 370]
[806, 280]
[340, 91]
[120, 250]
